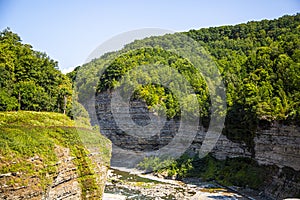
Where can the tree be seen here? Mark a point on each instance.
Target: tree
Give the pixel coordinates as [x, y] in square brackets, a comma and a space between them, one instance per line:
[30, 80]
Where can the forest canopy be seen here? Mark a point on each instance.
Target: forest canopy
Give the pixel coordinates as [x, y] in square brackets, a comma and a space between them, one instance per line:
[29, 79]
[258, 61]
[260, 65]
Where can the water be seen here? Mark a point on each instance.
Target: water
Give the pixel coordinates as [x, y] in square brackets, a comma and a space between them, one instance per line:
[138, 187]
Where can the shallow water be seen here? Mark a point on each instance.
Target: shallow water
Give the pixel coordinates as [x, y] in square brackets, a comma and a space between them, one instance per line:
[126, 185]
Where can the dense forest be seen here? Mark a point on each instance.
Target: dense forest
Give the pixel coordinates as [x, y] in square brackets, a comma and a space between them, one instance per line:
[150, 91]
[30, 80]
[258, 61]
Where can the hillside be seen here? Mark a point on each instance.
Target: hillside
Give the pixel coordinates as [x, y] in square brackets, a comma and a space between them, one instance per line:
[45, 155]
[260, 67]
[29, 79]
[258, 61]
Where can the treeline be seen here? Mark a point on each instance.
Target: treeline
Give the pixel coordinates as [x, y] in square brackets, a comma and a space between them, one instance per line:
[30, 80]
[164, 90]
[260, 64]
[258, 61]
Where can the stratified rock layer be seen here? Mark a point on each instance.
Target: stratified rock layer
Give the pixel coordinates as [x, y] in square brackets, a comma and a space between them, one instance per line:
[277, 145]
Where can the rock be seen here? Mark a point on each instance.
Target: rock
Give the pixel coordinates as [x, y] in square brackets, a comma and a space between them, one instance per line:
[5, 175]
[65, 185]
[278, 145]
[108, 196]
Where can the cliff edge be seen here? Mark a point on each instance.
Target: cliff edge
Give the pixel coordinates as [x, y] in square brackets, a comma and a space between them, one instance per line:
[45, 156]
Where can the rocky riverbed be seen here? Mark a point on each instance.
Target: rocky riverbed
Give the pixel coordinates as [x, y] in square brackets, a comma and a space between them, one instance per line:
[132, 184]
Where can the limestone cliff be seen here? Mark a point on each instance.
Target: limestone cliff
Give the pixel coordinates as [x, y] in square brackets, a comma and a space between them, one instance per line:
[276, 146]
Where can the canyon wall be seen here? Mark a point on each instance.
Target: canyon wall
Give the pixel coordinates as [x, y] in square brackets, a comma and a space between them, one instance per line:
[65, 182]
[277, 145]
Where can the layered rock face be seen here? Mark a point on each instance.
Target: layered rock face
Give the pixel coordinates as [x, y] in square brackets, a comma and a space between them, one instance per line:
[46, 156]
[129, 130]
[277, 146]
[280, 146]
[65, 184]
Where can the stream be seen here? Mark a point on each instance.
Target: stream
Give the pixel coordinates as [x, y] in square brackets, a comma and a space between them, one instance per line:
[123, 184]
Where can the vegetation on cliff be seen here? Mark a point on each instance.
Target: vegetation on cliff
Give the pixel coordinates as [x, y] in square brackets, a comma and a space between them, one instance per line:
[31, 142]
[153, 93]
[258, 61]
[260, 66]
[27, 150]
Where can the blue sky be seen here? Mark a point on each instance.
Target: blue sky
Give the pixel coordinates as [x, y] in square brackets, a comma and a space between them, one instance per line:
[69, 30]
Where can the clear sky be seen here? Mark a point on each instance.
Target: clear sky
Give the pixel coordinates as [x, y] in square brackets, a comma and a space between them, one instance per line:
[69, 30]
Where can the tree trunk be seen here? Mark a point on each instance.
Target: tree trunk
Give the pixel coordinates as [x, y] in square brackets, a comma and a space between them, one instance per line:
[19, 101]
[65, 104]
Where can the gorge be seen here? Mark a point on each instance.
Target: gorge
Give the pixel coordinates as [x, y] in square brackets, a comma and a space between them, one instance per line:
[276, 147]
[59, 133]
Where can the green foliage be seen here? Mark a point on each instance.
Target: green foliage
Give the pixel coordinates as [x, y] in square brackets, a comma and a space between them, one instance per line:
[258, 61]
[7, 101]
[26, 134]
[30, 118]
[232, 171]
[260, 65]
[30, 80]
[158, 97]
[260, 68]
[79, 114]
[154, 163]
[178, 168]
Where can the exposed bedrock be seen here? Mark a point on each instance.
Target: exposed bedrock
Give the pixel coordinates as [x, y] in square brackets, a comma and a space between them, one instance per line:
[277, 145]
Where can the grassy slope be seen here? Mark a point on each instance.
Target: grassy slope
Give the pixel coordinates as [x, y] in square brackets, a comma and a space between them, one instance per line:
[28, 135]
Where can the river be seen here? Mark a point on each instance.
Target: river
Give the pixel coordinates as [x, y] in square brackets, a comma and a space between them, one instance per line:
[123, 184]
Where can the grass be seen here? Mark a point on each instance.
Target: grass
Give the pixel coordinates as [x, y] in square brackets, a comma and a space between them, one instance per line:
[30, 118]
[244, 172]
[27, 147]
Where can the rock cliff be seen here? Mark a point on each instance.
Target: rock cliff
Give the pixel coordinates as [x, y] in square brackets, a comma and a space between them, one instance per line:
[51, 160]
[276, 146]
